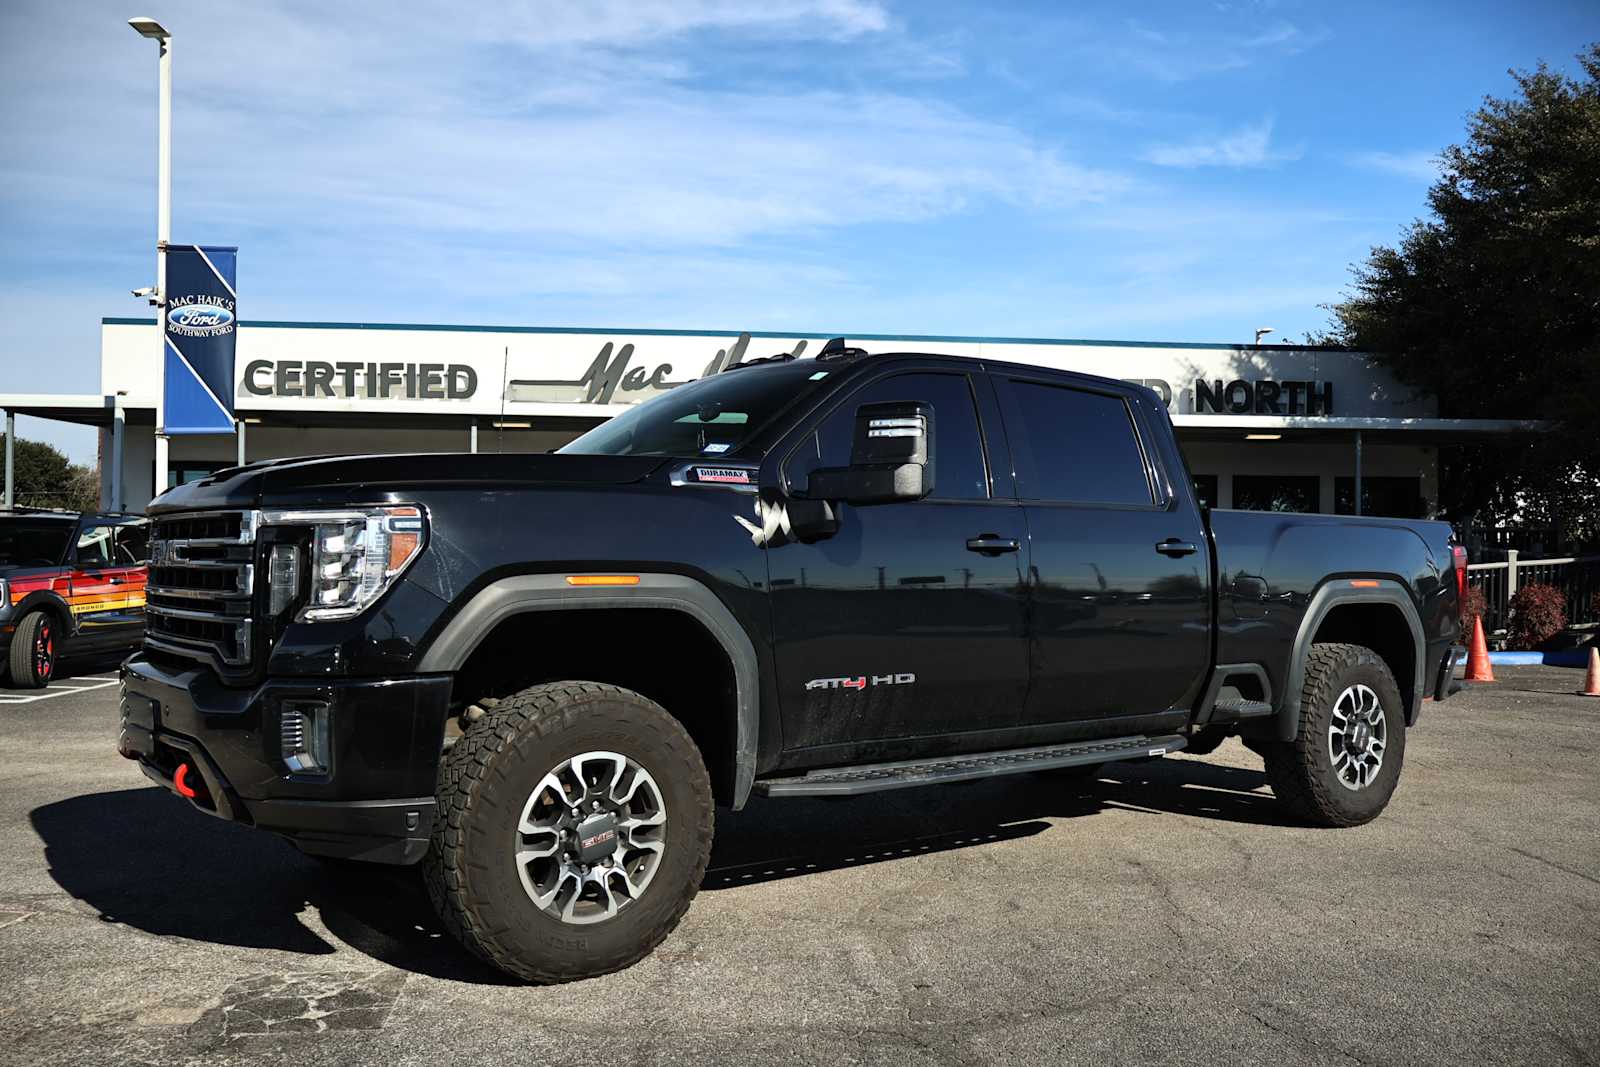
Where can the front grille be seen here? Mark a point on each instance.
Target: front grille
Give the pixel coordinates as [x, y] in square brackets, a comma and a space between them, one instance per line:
[201, 585]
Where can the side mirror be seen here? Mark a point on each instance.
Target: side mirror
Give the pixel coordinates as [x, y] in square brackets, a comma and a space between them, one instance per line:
[890, 459]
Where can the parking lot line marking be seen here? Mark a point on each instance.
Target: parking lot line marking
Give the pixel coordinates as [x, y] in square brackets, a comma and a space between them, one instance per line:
[56, 689]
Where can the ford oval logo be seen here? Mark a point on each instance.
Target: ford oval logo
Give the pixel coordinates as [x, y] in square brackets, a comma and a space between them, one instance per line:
[200, 316]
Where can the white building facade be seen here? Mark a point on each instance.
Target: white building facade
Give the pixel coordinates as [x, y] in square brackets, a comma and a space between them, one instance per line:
[1264, 426]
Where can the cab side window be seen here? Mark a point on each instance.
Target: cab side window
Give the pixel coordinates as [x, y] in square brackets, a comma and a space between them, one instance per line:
[133, 545]
[1074, 445]
[959, 470]
[94, 546]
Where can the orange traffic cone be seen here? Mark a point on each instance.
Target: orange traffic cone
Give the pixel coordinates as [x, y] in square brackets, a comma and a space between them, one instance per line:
[1478, 655]
[1591, 682]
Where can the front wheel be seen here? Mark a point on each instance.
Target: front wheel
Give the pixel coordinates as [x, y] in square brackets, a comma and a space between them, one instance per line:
[573, 830]
[1344, 763]
[33, 651]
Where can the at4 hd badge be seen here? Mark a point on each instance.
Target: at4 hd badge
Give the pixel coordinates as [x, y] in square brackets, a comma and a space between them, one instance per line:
[861, 681]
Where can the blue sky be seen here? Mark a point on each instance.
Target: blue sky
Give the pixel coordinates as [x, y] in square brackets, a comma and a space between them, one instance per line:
[1177, 171]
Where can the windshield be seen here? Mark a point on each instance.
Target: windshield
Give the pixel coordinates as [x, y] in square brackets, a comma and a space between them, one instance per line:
[705, 417]
[33, 544]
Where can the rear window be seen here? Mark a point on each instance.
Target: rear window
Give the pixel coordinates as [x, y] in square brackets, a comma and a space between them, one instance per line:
[33, 544]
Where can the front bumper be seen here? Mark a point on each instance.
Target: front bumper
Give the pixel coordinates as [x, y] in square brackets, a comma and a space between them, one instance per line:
[218, 747]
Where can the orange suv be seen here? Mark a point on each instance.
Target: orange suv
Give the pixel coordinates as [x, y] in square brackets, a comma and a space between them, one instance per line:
[71, 585]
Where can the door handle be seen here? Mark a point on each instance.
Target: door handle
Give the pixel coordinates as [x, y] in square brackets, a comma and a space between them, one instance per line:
[115, 581]
[992, 545]
[1174, 547]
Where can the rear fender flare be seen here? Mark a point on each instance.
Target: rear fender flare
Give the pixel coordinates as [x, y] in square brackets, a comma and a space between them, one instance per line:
[1336, 594]
[507, 597]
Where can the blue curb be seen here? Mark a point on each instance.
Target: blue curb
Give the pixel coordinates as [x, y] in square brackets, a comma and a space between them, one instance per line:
[1569, 657]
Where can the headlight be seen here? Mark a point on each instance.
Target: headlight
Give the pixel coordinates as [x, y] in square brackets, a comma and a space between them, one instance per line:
[356, 554]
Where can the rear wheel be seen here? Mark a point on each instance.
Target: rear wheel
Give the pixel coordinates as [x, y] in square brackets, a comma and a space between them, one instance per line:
[1345, 761]
[574, 827]
[33, 651]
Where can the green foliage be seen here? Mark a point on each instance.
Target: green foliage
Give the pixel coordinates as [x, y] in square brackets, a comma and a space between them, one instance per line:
[45, 479]
[1536, 614]
[1493, 303]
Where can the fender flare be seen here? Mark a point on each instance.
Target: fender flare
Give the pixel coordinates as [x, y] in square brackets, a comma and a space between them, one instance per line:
[1337, 593]
[507, 597]
[49, 601]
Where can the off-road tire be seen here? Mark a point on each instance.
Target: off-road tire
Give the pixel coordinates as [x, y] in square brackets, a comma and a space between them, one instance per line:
[1301, 771]
[484, 780]
[24, 673]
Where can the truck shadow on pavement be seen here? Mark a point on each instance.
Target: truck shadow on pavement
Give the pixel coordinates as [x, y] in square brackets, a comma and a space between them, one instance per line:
[144, 859]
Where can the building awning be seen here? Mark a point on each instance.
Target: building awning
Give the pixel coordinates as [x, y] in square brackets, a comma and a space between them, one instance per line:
[81, 408]
[1414, 431]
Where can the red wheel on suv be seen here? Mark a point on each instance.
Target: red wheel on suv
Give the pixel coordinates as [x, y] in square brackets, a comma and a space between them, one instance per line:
[33, 651]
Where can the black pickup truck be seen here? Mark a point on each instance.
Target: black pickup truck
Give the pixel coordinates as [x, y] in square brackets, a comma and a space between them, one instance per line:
[538, 676]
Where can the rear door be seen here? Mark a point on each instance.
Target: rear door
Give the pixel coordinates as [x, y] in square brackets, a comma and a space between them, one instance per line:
[1120, 571]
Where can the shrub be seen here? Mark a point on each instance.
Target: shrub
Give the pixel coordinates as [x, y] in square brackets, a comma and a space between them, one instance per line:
[1537, 613]
[1472, 606]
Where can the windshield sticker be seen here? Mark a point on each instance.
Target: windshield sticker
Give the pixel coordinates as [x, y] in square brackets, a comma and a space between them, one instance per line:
[717, 446]
[817, 377]
[726, 475]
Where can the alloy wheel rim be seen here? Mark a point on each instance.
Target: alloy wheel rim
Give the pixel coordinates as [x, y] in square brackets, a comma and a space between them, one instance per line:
[1358, 735]
[591, 837]
[44, 648]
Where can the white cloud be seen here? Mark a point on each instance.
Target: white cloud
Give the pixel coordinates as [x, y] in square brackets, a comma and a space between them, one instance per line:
[1248, 146]
[1418, 166]
[1186, 50]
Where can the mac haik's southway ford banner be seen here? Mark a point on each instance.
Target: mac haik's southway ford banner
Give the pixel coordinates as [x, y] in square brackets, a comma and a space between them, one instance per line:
[198, 348]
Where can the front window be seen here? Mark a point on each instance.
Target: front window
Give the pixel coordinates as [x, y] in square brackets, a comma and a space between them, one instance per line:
[33, 544]
[706, 417]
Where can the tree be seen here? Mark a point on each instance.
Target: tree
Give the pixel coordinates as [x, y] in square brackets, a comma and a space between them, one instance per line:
[1492, 304]
[45, 479]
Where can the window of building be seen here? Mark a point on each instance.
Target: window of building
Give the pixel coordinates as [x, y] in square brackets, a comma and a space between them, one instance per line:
[1393, 498]
[1075, 446]
[959, 472]
[1205, 487]
[191, 470]
[1275, 492]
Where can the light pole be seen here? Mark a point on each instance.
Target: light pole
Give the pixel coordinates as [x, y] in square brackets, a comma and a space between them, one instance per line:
[152, 29]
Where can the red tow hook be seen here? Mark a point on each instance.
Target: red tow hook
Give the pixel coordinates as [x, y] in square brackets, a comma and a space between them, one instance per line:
[181, 784]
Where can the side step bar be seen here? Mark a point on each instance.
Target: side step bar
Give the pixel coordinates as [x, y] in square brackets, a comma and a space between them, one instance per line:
[876, 777]
[1224, 711]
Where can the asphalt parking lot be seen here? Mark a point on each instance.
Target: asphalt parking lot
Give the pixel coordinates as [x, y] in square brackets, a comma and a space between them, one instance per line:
[1161, 914]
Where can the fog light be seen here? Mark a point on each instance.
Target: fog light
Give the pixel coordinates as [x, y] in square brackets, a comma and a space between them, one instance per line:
[303, 736]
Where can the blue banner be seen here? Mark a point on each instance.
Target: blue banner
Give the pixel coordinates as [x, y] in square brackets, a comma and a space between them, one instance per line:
[202, 321]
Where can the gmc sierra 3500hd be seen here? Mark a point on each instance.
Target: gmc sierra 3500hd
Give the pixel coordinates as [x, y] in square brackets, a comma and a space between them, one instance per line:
[538, 675]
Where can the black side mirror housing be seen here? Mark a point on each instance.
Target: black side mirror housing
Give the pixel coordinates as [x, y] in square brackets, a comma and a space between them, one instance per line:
[891, 458]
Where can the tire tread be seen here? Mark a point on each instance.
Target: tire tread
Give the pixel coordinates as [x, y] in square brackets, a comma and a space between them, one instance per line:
[535, 713]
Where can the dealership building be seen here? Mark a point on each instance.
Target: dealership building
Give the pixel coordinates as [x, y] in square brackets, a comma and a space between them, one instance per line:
[1283, 427]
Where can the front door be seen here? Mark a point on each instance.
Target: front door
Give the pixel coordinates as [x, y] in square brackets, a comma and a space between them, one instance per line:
[906, 627]
[107, 592]
[1121, 582]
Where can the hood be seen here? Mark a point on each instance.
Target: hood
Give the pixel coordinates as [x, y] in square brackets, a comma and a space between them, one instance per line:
[349, 479]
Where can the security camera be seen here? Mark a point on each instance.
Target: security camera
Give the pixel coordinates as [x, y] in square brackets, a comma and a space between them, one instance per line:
[148, 290]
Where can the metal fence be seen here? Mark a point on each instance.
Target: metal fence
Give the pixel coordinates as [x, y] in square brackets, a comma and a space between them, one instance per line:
[1578, 577]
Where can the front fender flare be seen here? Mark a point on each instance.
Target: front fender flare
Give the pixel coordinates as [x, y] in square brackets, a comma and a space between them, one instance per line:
[507, 597]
